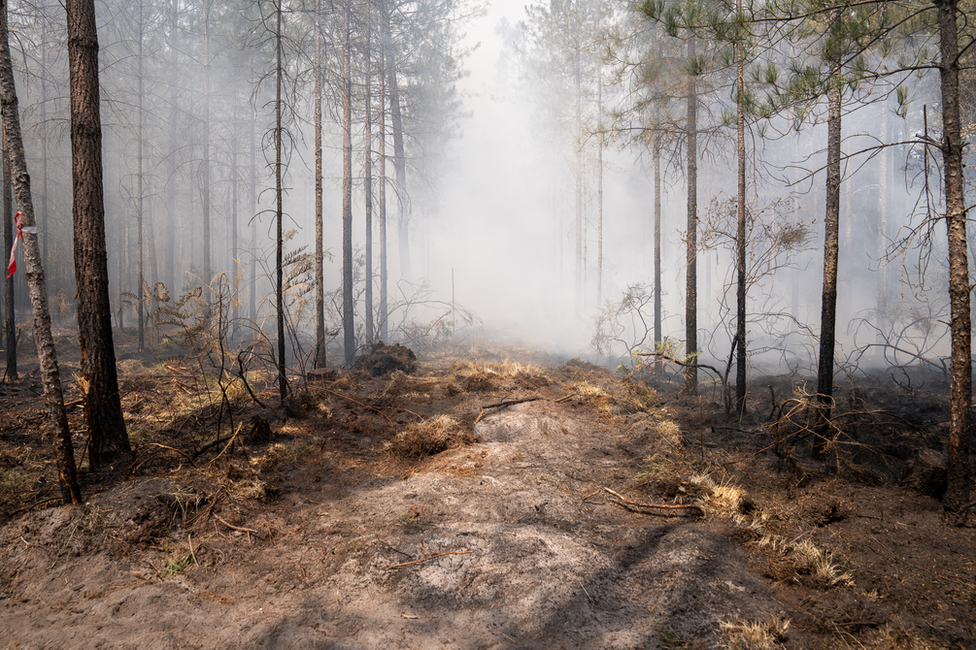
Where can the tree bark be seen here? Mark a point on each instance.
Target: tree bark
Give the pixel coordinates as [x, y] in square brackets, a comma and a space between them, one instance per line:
[207, 270]
[657, 240]
[385, 60]
[828, 306]
[400, 169]
[368, 180]
[108, 439]
[46, 352]
[740, 293]
[279, 208]
[320, 361]
[140, 271]
[691, 237]
[960, 414]
[348, 324]
[9, 315]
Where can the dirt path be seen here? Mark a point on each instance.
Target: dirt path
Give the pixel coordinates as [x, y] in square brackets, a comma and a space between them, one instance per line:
[321, 539]
[524, 550]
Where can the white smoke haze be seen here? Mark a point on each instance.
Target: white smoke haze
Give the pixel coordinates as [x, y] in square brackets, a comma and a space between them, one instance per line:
[492, 208]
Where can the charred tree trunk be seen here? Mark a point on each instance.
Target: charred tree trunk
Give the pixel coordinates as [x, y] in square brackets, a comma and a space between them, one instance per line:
[279, 207]
[108, 439]
[740, 244]
[960, 413]
[46, 353]
[828, 308]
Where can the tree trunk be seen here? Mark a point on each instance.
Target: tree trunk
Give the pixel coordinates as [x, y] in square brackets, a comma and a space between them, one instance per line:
[657, 240]
[348, 324]
[691, 238]
[46, 352]
[279, 209]
[171, 188]
[368, 181]
[960, 414]
[828, 308]
[108, 439]
[320, 361]
[578, 132]
[140, 271]
[740, 294]
[400, 168]
[9, 320]
[384, 271]
[599, 195]
[207, 270]
[253, 197]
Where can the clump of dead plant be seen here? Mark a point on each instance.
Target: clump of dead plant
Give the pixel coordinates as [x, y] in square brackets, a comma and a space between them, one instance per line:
[805, 562]
[755, 635]
[428, 438]
[473, 377]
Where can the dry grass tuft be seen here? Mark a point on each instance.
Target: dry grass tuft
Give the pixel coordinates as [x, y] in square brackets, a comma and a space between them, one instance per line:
[276, 457]
[428, 438]
[891, 638]
[484, 377]
[808, 562]
[758, 635]
[639, 397]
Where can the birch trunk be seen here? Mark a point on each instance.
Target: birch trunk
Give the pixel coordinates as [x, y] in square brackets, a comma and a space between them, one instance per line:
[46, 353]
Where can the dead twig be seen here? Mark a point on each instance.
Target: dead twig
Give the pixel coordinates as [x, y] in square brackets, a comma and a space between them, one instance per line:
[396, 566]
[503, 404]
[594, 493]
[664, 506]
[206, 511]
[365, 406]
[233, 527]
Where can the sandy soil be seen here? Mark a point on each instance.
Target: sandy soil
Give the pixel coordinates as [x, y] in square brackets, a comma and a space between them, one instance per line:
[344, 530]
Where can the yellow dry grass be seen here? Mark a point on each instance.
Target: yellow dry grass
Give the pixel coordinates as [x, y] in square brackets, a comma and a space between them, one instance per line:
[428, 438]
[754, 635]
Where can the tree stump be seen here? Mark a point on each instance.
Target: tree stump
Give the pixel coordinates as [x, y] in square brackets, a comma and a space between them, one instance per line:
[926, 473]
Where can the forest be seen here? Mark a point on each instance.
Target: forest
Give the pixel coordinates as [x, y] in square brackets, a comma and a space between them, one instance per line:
[371, 285]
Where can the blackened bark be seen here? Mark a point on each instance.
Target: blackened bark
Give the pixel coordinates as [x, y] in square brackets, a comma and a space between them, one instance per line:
[960, 414]
[828, 306]
[279, 209]
[46, 353]
[740, 293]
[108, 439]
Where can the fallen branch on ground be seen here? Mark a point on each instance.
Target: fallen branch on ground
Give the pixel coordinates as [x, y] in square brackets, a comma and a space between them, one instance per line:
[395, 566]
[502, 404]
[233, 527]
[665, 506]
